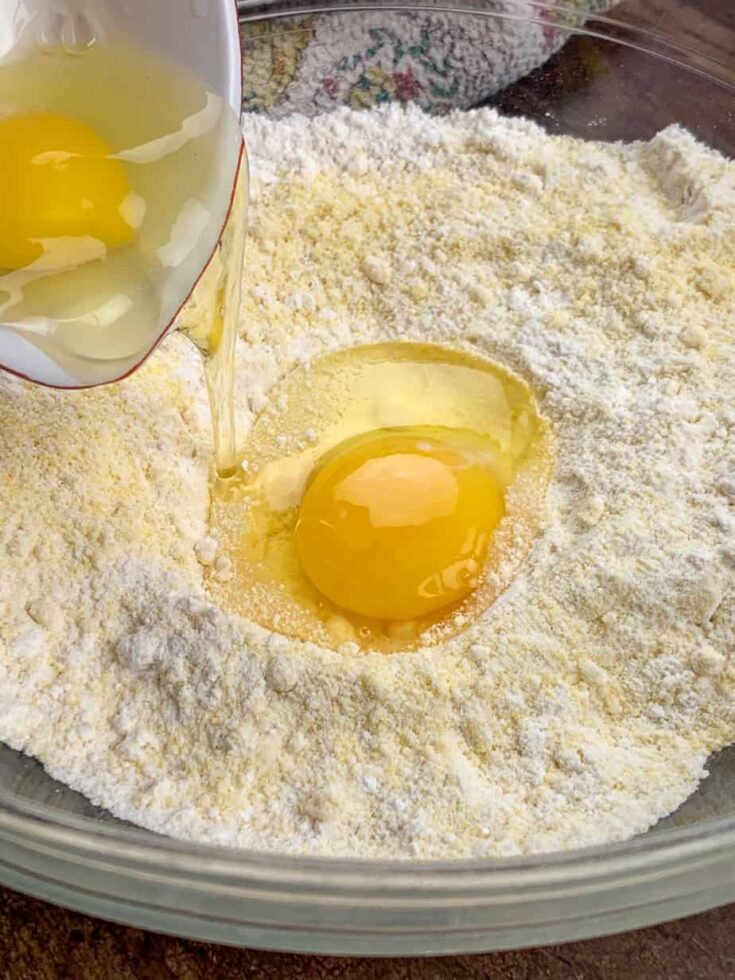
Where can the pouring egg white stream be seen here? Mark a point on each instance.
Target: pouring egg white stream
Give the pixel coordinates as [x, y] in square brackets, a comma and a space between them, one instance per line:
[117, 170]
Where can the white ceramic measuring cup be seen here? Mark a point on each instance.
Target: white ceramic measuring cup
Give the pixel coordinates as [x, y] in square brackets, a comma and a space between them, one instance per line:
[200, 35]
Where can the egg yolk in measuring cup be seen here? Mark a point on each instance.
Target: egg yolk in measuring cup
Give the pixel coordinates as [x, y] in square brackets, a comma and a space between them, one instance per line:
[59, 188]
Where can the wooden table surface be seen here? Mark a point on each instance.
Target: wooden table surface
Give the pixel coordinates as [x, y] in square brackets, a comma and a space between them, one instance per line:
[40, 942]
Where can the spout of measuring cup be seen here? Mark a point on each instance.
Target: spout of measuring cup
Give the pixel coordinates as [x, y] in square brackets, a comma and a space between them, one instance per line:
[201, 36]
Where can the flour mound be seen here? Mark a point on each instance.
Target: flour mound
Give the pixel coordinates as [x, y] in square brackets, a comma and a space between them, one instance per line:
[582, 706]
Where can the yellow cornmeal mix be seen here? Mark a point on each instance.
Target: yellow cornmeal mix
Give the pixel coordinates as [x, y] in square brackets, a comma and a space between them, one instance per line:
[577, 709]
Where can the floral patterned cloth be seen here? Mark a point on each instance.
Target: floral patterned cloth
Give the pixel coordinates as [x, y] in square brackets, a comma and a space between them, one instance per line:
[310, 64]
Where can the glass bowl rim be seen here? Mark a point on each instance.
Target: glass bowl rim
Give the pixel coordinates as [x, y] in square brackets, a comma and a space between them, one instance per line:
[580, 20]
[701, 843]
[88, 838]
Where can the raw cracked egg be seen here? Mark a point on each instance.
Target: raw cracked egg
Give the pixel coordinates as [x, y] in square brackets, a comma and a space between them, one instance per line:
[389, 493]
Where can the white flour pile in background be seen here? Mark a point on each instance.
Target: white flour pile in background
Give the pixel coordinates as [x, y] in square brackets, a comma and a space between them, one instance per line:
[582, 706]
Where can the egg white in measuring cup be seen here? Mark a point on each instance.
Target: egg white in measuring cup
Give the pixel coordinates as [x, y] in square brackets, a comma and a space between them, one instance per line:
[118, 168]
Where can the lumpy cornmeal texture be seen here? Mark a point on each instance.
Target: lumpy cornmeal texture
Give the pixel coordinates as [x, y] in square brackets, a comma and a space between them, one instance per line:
[579, 707]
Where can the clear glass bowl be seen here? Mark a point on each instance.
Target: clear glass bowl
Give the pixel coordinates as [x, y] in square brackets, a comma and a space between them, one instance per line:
[622, 76]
